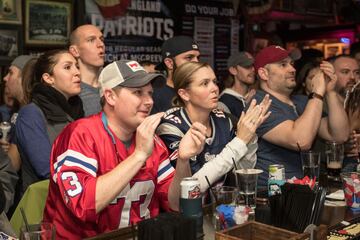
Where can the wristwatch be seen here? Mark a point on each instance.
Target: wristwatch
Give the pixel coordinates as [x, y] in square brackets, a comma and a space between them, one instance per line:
[315, 95]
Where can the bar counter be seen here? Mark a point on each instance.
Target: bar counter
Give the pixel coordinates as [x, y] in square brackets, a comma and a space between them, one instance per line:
[331, 216]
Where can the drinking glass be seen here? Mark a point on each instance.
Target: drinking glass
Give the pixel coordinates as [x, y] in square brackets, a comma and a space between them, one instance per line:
[246, 180]
[43, 231]
[224, 195]
[310, 161]
[334, 159]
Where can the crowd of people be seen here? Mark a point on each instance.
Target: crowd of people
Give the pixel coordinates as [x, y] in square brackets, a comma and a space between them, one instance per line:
[115, 141]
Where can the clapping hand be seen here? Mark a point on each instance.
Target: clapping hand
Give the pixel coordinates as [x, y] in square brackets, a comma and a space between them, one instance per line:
[330, 76]
[145, 135]
[318, 83]
[193, 142]
[252, 119]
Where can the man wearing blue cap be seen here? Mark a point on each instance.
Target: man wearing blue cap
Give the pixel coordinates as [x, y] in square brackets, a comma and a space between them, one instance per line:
[175, 51]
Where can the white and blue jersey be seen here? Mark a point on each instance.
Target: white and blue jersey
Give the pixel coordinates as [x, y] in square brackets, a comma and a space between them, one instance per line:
[176, 123]
[220, 151]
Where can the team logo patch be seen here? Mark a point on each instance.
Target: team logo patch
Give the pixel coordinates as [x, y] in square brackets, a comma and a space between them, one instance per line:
[135, 66]
[194, 46]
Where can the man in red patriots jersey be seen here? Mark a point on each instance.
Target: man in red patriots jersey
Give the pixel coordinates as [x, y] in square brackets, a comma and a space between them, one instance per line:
[110, 170]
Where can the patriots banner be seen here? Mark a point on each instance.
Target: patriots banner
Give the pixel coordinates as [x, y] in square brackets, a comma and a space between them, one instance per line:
[133, 29]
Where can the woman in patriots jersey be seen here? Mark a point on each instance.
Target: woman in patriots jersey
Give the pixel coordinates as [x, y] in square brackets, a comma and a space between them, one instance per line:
[197, 98]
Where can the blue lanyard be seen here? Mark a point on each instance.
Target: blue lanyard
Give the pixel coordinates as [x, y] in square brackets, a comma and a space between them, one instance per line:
[106, 126]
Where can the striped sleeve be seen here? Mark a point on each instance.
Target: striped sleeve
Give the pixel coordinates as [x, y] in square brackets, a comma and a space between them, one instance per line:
[164, 170]
[72, 158]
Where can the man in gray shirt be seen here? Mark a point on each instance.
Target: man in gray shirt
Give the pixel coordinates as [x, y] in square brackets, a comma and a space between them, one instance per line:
[87, 46]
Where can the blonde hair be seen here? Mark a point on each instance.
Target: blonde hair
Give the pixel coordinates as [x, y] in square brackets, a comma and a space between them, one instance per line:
[183, 77]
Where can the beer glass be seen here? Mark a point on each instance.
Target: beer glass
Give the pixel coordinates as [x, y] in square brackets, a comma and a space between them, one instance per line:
[334, 153]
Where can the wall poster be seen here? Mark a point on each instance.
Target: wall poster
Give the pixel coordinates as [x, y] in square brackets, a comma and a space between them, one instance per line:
[136, 29]
[132, 29]
[215, 28]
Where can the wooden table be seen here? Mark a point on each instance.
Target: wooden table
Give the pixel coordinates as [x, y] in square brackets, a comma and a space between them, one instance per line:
[333, 215]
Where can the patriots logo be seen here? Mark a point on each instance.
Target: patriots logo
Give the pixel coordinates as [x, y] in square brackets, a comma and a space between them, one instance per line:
[135, 66]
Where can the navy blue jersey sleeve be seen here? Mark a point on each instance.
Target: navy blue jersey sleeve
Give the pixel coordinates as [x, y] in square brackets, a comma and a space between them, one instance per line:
[171, 136]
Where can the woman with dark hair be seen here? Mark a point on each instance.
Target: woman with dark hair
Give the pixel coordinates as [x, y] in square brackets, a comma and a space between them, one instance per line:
[55, 81]
[197, 98]
[305, 76]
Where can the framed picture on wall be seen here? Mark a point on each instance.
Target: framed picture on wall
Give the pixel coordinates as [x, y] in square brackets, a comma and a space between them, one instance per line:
[10, 43]
[47, 22]
[10, 11]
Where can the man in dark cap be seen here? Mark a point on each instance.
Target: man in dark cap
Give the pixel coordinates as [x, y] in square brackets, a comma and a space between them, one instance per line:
[241, 77]
[295, 120]
[13, 81]
[14, 76]
[175, 51]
